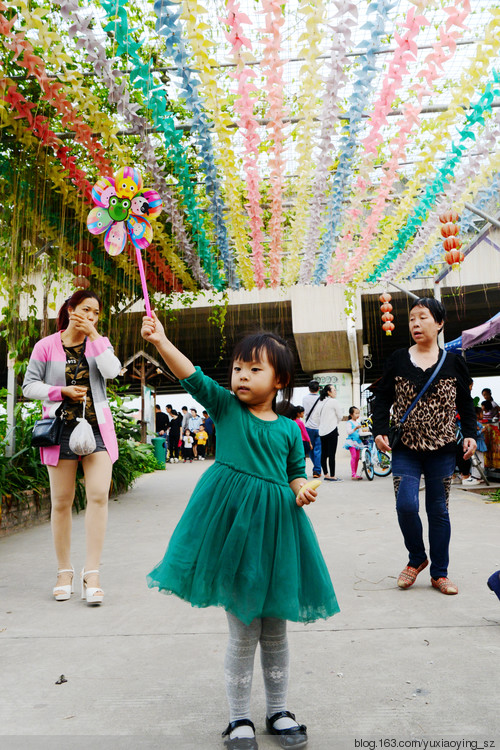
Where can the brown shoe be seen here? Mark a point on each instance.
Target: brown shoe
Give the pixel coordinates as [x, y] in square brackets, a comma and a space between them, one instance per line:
[444, 585]
[408, 575]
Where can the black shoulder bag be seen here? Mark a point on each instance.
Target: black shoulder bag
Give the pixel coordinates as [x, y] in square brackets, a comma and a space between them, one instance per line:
[396, 429]
[47, 431]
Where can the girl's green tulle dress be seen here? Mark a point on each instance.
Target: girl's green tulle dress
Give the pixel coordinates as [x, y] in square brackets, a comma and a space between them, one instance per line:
[243, 543]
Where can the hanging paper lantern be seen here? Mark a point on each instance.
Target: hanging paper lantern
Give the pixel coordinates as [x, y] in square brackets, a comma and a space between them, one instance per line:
[449, 229]
[387, 316]
[388, 328]
[81, 282]
[386, 307]
[453, 256]
[122, 205]
[385, 297]
[452, 243]
[448, 216]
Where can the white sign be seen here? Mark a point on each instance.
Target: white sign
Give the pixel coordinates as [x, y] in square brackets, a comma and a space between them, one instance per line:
[343, 385]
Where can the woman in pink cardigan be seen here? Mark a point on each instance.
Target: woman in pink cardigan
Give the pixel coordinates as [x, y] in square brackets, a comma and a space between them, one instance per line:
[69, 366]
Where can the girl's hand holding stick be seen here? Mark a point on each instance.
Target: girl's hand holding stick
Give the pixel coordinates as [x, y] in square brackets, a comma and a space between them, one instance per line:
[153, 331]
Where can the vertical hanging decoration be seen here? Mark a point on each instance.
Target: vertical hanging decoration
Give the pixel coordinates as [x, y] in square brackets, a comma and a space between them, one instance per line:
[451, 243]
[82, 269]
[273, 67]
[387, 316]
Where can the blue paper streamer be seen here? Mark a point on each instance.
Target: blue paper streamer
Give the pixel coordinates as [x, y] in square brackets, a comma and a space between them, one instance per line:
[349, 141]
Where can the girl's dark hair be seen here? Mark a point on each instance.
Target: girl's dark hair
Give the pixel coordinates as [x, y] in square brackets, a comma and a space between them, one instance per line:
[280, 357]
[487, 405]
[325, 391]
[74, 301]
[352, 410]
[435, 307]
[298, 410]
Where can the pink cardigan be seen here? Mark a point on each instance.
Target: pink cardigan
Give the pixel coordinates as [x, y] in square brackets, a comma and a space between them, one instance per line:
[46, 376]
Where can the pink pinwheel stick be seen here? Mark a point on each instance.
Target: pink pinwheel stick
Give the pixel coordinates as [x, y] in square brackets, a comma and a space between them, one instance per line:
[143, 281]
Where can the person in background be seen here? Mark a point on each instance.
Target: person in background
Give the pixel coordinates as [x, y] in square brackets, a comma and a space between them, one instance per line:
[428, 438]
[194, 425]
[161, 422]
[187, 446]
[298, 416]
[174, 436]
[210, 430]
[354, 443]
[331, 415]
[185, 418]
[72, 365]
[312, 411]
[201, 442]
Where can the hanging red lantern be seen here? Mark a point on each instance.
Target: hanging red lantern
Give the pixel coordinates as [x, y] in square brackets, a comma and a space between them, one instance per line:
[385, 297]
[448, 216]
[386, 307]
[387, 316]
[449, 229]
[388, 328]
[454, 256]
[81, 282]
[452, 243]
[82, 269]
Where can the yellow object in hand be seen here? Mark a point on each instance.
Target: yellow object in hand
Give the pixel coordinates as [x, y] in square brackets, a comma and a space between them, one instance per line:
[312, 485]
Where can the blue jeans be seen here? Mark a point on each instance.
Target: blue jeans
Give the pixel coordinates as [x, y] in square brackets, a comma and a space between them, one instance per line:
[437, 468]
[315, 454]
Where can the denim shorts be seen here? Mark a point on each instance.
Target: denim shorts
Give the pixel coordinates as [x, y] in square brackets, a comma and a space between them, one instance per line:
[66, 453]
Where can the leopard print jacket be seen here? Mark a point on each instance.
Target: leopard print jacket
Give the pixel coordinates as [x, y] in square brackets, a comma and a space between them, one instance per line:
[431, 424]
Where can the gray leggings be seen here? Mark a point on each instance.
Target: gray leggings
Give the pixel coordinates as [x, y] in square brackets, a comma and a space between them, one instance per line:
[238, 665]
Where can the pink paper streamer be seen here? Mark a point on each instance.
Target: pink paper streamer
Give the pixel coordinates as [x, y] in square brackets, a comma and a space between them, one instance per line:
[398, 144]
[273, 69]
[249, 126]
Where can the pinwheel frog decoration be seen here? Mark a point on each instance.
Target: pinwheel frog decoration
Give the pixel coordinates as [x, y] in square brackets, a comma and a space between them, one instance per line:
[122, 208]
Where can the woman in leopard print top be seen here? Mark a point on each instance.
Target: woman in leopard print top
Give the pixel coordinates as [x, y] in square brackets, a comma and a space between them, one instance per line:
[427, 443]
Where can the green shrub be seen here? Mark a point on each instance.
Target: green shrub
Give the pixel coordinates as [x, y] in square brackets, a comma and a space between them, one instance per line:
[24, 470]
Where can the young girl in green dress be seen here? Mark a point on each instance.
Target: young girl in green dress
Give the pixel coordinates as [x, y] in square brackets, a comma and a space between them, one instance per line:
[244, 541]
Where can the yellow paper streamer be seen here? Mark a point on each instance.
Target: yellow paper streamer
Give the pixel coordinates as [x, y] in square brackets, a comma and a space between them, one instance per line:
[306, 129]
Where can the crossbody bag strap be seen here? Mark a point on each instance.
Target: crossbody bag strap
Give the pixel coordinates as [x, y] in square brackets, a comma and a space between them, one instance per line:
[73, 382]
[312, 408]
[426, 386]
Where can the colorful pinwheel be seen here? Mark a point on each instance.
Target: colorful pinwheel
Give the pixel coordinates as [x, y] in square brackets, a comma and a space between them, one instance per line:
[122, 205]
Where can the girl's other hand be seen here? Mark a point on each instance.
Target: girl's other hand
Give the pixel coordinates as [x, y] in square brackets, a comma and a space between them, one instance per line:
[305, 497]
[152, 330]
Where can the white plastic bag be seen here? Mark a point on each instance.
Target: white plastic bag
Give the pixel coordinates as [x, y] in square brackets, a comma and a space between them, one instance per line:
[82, 440]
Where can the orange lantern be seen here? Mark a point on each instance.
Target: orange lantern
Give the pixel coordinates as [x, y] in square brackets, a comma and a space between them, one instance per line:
[387, 316]
[388, 328]
[452, 243]
[449, 229]
[81, 282]
[448, 216]
[385, 297]
[386, 307]
[454, 256]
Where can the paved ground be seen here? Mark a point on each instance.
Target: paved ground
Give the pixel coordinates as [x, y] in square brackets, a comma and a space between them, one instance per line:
[145, 670]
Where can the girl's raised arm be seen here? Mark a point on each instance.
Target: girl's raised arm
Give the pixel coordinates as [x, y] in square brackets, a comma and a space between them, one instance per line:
[153, 331]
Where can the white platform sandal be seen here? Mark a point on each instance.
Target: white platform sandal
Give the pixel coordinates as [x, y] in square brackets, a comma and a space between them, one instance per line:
[62, 593]
[91, 594]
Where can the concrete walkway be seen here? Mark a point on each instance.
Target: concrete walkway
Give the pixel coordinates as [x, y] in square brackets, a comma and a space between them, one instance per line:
[146, 670]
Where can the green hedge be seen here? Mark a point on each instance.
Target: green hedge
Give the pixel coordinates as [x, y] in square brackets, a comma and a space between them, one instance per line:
[24, 471]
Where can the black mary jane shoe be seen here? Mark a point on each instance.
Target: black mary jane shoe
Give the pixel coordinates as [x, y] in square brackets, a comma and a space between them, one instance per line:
[294, 737]
[240, 743]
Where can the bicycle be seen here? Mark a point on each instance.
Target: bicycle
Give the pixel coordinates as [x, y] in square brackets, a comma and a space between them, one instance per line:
[373, 460]
[475, 460]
